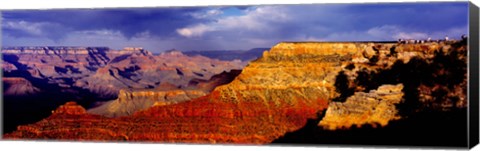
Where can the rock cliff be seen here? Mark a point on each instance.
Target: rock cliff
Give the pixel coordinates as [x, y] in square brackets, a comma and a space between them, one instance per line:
[18, 87]
[374, 107]
[131, 101]
[70, 108]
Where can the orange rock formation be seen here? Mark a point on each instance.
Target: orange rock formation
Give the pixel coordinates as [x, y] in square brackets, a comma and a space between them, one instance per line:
[375, 107]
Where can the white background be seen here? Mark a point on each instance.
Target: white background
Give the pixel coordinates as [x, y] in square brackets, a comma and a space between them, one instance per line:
[63, 146]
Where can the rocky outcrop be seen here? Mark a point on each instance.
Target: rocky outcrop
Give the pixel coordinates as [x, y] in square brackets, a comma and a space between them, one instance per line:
[70, 108]
[433, 74]
[376, 107]
[8, 66]
[214, 81]
[131, 101]
[70, 122]
[18, 87]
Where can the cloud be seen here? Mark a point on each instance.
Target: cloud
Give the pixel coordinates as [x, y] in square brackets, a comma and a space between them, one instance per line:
[454, 32]
[100, 34]
[394, 32]
[194, 31]
[159, 21]
[23, 28]
[209, 13]
[383, 31]
[145, 34]
[27, 27]
[380, 33]
[413, 35]
[256, 19]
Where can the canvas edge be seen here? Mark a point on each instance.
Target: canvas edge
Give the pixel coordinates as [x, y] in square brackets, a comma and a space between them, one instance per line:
[473, 65]
[1, 86]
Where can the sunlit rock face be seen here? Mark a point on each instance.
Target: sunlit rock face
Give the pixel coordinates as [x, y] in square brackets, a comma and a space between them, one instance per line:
[354, 83]
[374, 107]
[290, 71]
[70, 108]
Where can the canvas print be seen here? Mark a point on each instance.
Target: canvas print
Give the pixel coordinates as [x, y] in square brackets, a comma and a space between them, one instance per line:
[387, 74]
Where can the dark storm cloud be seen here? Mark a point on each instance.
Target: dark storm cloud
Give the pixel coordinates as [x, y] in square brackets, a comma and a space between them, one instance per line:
[423, 16]
[236, 27]
[159, 21]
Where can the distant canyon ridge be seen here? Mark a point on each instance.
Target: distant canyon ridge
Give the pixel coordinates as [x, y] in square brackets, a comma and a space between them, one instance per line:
[105, 71]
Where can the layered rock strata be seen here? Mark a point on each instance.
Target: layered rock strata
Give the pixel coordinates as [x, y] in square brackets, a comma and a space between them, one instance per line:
[104, 72]
[376, 107]
[130, 101]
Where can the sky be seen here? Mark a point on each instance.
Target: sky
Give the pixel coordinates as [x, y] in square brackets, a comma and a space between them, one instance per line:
[232, 27]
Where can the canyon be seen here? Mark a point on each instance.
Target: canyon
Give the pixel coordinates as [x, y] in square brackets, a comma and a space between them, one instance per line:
[46, 77]
[338, 85]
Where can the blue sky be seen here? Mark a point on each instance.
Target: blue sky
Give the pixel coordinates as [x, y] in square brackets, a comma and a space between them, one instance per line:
[231, 27]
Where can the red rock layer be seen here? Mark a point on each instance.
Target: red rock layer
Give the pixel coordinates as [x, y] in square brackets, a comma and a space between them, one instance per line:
[199, 121]
[70, 108]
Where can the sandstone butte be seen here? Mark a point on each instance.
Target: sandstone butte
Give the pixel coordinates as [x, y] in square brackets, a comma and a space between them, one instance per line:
[273, 95]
